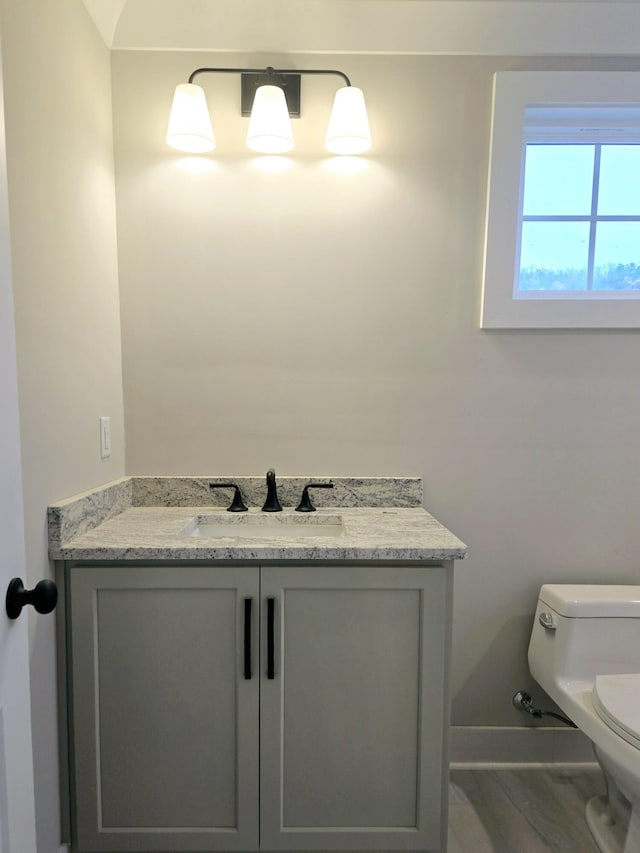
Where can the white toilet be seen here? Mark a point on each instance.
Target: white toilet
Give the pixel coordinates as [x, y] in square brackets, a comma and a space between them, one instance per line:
[585, 653]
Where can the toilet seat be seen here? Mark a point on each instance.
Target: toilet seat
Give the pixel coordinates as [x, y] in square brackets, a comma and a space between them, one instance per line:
[616, 699]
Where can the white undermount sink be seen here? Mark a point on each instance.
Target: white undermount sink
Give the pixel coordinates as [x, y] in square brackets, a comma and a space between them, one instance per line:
[263, 526]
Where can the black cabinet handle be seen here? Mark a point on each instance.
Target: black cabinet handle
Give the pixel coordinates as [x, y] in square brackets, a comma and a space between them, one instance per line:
[271, 606]
[248, 602]
[44, 597]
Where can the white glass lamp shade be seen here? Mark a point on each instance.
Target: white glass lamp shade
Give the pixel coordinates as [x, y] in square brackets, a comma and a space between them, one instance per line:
[270, 126]
[348, 131]
[190, 127]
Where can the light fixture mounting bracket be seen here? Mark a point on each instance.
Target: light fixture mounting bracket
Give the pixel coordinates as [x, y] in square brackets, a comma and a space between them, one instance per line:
[288, 82]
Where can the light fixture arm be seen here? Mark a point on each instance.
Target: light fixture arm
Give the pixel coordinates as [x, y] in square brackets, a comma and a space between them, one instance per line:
[287, 79]
[269, 71]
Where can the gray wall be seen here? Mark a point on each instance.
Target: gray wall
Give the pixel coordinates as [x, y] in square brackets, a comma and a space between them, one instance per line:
[63, 242]
[327, 324]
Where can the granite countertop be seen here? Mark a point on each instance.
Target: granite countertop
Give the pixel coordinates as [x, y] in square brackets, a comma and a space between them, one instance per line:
[138, 519]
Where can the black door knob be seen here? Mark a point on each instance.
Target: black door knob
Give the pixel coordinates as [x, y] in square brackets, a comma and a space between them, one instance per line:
[44, 597]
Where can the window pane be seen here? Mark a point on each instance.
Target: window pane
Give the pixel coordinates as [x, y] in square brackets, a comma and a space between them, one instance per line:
[619, 193]
[558, 180]
[617, 256]
[553, 256]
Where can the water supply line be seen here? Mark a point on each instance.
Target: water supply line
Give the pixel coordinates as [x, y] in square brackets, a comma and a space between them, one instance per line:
[523, 702]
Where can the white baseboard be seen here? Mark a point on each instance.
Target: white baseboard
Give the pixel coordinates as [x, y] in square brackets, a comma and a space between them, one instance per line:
[507, 746]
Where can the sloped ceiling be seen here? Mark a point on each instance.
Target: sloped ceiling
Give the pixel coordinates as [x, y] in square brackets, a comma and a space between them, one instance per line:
[567, 27]
[105, 14]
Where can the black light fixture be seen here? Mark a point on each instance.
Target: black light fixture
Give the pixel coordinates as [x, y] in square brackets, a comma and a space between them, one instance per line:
[270, 97]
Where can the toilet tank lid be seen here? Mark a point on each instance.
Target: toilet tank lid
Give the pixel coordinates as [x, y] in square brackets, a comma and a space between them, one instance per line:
[592, 600]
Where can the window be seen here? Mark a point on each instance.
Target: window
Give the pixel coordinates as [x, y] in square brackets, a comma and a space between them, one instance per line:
[563, 220]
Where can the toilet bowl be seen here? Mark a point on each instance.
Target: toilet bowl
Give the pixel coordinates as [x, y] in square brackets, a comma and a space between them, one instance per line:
[585, 653]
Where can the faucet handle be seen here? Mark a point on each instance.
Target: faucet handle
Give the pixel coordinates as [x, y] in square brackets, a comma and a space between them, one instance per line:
[305, 504]
[237, 504]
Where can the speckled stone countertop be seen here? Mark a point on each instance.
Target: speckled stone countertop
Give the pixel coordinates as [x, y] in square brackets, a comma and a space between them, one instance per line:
[142, 518]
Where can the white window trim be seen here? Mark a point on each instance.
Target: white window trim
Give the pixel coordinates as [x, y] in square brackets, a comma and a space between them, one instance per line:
[512, 92]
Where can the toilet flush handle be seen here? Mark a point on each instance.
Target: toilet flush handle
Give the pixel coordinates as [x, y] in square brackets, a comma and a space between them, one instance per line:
[546, 620]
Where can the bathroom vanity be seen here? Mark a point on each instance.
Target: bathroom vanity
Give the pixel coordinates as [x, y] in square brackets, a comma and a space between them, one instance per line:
[261, 690]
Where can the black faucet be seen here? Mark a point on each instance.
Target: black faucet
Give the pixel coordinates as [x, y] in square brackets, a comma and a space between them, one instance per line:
[305, 504]
[272, 504]
[237, 504]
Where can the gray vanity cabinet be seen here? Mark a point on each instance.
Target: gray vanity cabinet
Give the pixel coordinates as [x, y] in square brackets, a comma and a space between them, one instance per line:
[164, 741]
[352, 725]
[336, 741]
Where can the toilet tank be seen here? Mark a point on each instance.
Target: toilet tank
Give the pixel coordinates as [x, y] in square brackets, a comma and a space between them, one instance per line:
[584, 630]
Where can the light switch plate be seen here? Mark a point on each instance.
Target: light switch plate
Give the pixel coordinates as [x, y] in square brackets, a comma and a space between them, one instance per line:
[105, 437]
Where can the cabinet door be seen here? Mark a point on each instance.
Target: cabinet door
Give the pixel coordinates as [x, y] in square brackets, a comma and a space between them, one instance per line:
[164, 751]
[354, 719]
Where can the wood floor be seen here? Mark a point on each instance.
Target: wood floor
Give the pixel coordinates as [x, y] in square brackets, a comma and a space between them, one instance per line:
[521, 811]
